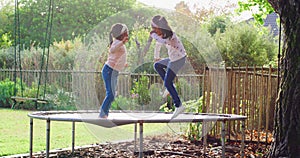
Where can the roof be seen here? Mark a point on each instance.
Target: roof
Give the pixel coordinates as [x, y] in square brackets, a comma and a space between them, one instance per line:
[270, 21]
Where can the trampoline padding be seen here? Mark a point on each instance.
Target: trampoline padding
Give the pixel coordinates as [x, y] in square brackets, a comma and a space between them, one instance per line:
[118, 118]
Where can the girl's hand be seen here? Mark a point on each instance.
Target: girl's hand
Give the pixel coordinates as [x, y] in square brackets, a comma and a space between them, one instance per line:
[151, 32]
[157, 59]
[125, 39]
[156, 30]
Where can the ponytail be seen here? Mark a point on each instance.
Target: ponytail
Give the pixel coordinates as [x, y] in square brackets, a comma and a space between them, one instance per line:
[110, 39]
[117, 30]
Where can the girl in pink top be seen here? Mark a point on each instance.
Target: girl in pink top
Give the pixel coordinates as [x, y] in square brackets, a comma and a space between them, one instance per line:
[116, 62]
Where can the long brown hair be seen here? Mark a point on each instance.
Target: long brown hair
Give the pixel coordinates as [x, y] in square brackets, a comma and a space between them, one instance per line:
[116, 31]
[161, 23]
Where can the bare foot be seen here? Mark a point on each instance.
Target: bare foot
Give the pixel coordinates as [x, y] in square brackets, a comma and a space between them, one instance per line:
[103, 117]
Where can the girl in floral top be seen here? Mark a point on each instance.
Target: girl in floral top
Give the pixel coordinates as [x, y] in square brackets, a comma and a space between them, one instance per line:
[168, 68]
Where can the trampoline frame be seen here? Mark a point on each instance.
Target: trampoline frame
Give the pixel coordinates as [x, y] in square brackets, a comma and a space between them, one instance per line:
[44, 115]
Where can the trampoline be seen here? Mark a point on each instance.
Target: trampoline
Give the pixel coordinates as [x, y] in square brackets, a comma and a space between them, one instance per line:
[118, 118]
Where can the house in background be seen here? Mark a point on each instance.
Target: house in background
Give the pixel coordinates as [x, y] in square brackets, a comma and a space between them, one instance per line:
[271, 22]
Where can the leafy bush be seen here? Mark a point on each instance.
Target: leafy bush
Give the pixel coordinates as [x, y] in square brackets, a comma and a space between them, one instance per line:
[146, 67]
[61, 100]
[136, 56]
[245, 44]
[6, 58]
[56, 99]
[123, 103]
[194, 129]
[194, 106]
[64, 53]
[218, 23]
[186, 89]
[5, 41]
[9, 88]
[156, 97]
[140, 90]
[6, 91]
[30, 92]
[167, 106]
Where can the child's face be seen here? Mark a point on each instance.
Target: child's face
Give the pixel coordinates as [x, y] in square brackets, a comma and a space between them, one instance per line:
[157, 31]
[124, 35]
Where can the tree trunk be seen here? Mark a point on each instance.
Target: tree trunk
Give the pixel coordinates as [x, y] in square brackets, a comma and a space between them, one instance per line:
[287, 113]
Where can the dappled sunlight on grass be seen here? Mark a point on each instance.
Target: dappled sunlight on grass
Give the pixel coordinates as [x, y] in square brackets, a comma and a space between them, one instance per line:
[14, 129]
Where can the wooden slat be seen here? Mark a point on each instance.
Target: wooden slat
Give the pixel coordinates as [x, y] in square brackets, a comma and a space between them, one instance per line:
[22, 99]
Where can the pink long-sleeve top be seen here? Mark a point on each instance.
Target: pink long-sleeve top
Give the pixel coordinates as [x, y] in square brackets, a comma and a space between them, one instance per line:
[175, 47]
[117, 55]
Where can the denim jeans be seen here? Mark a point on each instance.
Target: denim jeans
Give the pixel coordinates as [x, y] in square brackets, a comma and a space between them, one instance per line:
[110, 78]
[167, 70]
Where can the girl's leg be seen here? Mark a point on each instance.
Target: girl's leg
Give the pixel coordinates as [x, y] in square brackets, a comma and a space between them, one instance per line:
[161, 66]
[172, 70]
[168, 82]
[114, 82]
[107, 73]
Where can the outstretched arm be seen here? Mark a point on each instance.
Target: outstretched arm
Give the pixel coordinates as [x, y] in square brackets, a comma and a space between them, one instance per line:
[157, 38]
[159, 43]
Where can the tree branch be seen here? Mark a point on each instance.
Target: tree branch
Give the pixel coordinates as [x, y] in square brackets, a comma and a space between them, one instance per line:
[275, 5]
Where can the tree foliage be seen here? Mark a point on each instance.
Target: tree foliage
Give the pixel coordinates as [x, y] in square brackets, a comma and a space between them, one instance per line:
[218, 23]
[260, 8]
[6, 25]
[6, 58]
[286, 132]
[79, 21]
[71, 18]
[243, 44]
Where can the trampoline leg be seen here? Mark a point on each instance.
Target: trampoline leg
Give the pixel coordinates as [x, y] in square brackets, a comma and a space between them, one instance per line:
[31, 137]
[135, 136]
[243, 139]
[223, 139]
[204, 136]
[141, 140]
[73, 137]
[48, 138]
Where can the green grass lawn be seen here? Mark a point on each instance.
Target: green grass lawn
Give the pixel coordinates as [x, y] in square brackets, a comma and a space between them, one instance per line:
[14, 133]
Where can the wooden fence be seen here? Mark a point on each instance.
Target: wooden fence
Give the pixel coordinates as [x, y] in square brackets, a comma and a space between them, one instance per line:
[249, 91]
[252, 92]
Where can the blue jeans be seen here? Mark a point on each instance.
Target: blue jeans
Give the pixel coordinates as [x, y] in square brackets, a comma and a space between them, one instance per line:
[167, 70]
[110, 78]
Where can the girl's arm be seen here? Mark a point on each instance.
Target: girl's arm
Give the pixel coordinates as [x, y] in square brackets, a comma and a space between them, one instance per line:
[159, 43]
[115, 45]
[157, 51]
[158, 38]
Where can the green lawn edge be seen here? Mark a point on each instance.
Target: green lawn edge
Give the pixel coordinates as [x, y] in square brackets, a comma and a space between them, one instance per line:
[15, 124]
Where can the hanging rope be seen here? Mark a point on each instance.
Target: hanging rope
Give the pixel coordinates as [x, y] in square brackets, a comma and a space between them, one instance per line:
[279, 56]
[49, 41]
[46, 45]
[17, 34]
